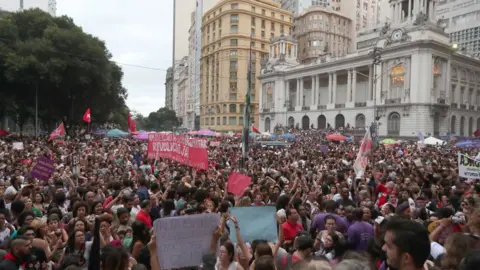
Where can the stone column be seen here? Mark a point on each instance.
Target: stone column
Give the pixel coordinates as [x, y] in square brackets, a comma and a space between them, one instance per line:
[354, 85]
[314, 90]
[392, 12]
[286, 95]
[301, 92]
[330, 83]
[297, 93]
[334, 88]
[409, 12]
[370, 83]
[349, 84]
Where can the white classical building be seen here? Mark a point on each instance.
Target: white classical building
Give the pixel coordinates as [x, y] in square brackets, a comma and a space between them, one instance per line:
[418, 84]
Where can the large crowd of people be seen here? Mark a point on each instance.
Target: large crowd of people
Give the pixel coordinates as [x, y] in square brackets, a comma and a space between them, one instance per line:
[408, 210]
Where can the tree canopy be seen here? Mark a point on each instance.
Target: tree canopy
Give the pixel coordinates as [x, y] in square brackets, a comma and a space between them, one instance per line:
[70, 69]
[162, 120]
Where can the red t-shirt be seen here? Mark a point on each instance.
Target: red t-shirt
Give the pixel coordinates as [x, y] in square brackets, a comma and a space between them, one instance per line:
[145, 218]
[290, 230]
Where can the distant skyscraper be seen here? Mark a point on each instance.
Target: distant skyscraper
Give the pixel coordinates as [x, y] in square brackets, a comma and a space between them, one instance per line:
[49, 6]
[462, 19]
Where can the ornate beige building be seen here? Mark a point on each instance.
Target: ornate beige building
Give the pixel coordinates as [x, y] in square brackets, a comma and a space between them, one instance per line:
[320, 30]
[228, 31]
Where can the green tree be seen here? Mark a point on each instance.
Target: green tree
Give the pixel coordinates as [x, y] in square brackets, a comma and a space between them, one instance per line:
[70, 69]
[162, 120]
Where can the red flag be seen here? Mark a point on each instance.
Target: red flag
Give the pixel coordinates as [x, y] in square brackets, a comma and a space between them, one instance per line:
[476, 133]
[133, 126]
[86, 116]
[237, 183]
[58, 132]
[255, 130]
[129, 122]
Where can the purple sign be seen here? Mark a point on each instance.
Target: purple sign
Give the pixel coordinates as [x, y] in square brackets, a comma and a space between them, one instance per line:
[43, 169]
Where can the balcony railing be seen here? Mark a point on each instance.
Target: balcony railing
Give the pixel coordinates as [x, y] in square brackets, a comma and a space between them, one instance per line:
[305, 108]
[265, 110]
[441, 101]
[321, 107]
[290, 108]
[360, 104]
[453, 105]
[463, 106]
[339, 106]
[393, 101]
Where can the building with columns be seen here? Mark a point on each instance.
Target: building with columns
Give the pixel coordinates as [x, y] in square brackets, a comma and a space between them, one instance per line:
[417, 83]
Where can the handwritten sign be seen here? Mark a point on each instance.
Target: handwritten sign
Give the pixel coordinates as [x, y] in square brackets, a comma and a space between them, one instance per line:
[17, 145]
[256, 223]
[183, 241]
[43, 168]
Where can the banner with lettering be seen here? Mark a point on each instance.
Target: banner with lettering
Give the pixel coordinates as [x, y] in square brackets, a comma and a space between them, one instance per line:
[468, 167]
[363, 153]
[180, 148]
[183, 241]
[43, 169]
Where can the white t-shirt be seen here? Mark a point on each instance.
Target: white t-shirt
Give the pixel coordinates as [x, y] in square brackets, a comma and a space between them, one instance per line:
[436, 250]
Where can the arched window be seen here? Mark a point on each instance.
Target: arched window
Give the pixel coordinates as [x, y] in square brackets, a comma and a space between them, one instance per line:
[462, 126]
[360, 121]
[397, 81]
[321, 122]
[291, 122]
[453, 125]
[267, 124]
[233, 108]
[393, 127]
[339, 121]
[470, 127]
[305, 122]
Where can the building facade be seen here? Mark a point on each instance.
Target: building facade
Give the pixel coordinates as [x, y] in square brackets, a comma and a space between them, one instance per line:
[195, 54]
[322, 31]
[462, 21]
[419, 83]
[183, 87]
[169, 89]
[229, 31]
[49, 6]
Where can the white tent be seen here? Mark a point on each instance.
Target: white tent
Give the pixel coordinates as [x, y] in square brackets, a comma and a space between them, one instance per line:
[433, 141]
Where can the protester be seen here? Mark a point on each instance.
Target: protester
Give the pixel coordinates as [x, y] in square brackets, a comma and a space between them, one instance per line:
[408, 209]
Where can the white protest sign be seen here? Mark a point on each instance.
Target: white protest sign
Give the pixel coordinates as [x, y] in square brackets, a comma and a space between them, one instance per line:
[468, 167]
[182, 241]
[17, 145]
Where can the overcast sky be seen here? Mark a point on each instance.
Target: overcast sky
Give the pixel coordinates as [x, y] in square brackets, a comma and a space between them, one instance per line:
[137, 33]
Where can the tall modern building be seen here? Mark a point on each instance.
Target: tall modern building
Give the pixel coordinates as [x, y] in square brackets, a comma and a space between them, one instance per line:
[229, 31]
[49, 6]
[169, 89]
[462, 21]
[194, 54]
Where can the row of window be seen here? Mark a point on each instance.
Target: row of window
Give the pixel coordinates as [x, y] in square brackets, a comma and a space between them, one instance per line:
[232, 108]
[230, 121]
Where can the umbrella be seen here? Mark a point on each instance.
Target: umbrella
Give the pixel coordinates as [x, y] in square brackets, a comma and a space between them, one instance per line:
[388, 141]
[99, 132]
[336, 137]
[192, 132]
[206, 132]
[3, 132]
[468, 143]
[253, 134]
[116, 133]
[143, 136]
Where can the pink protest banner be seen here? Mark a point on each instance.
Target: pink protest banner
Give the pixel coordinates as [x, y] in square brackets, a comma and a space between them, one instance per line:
[237, 183]
[182, 149]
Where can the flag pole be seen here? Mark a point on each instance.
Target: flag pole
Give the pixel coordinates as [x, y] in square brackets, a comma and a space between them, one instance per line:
[246, 116]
